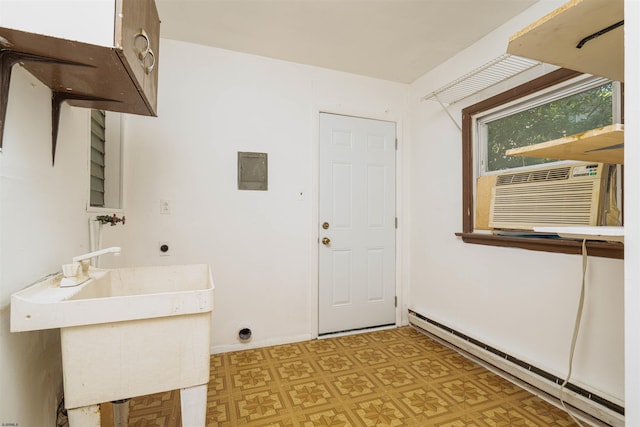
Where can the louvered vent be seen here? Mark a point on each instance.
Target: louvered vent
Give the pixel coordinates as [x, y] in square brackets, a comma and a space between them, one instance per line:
[534, 176]
[560, 196]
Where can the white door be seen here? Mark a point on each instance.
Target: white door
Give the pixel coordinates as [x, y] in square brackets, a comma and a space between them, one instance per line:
[357, 223]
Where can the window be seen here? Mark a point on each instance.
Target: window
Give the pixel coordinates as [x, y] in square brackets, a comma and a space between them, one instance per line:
[105, 160]
[566, 110]
[560, 103]
[97, 157]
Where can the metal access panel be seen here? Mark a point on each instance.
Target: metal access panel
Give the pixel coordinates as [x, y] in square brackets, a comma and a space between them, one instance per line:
[253, 171]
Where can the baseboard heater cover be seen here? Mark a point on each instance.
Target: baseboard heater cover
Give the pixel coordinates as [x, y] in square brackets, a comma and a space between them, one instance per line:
[609, 411]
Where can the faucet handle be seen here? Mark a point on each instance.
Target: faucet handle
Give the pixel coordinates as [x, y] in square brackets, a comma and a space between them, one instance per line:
[70, 270]
[85, 263]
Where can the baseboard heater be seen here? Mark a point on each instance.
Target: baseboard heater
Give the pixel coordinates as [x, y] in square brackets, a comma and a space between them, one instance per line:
[576, 396]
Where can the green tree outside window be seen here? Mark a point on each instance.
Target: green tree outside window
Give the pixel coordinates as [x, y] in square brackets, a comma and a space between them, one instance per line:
[574, 114]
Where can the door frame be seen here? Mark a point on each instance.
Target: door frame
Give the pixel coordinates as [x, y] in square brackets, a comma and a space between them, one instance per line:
[315, 214]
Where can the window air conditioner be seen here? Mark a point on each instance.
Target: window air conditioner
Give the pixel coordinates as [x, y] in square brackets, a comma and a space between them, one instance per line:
[566, 195]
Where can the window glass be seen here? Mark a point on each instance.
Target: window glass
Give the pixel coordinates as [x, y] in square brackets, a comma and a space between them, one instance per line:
[535, 122]
[97, 157]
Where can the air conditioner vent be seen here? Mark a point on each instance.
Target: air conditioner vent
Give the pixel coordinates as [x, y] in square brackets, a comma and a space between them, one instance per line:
[558, 196]
[551, 174]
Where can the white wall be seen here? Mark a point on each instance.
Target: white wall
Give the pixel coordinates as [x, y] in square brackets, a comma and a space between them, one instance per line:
[632, 211]
[521, 302]
[261, 246]
[43, 224]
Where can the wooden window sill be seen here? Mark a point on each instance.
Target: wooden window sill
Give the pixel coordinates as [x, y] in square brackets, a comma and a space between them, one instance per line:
[567, 246]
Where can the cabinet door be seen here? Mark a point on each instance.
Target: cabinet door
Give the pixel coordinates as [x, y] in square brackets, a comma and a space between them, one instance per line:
[150, 86]
[137, 35]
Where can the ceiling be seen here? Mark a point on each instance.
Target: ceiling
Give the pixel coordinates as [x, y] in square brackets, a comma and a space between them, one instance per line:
[397, 40]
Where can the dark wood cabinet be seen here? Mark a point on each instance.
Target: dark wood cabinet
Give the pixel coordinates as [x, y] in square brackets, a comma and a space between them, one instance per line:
[121, 76]
[137, 34]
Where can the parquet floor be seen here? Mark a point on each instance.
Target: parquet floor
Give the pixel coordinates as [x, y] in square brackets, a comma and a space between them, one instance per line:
[395, 377]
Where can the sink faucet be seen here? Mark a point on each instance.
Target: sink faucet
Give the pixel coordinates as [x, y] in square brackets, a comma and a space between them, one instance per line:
[84, 259]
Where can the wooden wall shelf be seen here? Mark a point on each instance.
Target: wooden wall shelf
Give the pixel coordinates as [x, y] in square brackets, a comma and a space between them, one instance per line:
[602, 145]
[554, 38]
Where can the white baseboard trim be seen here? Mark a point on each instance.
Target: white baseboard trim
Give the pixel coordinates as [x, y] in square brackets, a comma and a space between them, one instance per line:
[226, 348]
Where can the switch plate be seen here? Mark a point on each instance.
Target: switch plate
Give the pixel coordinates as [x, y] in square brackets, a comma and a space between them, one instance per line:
[165, 207]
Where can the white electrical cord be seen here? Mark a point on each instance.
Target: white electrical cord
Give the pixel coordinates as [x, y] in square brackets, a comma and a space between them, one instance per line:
[576, 329]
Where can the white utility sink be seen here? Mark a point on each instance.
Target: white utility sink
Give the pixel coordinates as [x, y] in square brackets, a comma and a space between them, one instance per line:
[126, 333]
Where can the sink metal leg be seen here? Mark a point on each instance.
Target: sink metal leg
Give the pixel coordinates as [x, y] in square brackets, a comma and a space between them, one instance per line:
[85, 416]
[193, 403]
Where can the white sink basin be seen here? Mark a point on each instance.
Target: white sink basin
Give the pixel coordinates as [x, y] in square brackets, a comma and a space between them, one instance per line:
[113, 296]
[125, 333]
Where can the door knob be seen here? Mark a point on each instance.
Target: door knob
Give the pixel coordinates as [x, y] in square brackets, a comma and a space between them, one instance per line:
[326, 241]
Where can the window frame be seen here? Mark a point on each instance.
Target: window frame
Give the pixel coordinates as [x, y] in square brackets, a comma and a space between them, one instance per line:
[561, 245]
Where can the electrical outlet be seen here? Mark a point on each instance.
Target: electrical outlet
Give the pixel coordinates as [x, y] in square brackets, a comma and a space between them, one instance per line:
[164, 248]
[165, 207]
